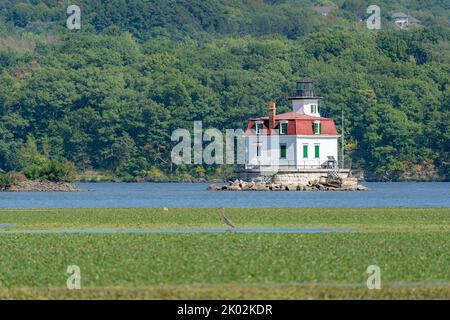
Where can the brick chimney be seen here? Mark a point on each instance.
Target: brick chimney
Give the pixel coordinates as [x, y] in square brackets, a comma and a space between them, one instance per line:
[272, 114]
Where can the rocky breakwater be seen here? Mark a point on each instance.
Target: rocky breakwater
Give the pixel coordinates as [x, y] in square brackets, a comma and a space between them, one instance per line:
[42, 186]
[324, 184]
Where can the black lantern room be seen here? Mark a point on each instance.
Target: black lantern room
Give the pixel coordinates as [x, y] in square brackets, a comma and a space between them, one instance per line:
[304, 89]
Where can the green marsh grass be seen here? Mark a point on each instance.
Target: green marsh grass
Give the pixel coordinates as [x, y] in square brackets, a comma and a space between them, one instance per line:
[410, 245]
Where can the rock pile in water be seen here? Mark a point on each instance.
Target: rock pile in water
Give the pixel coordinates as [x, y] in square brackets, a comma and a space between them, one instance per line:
[345, 184]
[42, 186]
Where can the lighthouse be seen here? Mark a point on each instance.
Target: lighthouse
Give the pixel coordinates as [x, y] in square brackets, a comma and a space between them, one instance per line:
[299, 145]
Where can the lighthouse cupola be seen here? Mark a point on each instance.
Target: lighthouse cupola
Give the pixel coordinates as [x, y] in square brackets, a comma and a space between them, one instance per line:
[305, 101]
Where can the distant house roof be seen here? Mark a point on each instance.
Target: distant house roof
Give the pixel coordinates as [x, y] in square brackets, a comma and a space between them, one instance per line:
[299, 124]
[401, 15]
[324, 10]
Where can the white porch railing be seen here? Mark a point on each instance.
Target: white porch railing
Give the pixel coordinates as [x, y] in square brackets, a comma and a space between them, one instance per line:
[288, 165]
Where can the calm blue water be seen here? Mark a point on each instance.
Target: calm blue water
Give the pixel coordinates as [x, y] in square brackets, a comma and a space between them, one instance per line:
[147, 195]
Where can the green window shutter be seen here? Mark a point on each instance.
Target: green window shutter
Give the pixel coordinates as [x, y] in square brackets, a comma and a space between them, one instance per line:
[305, 151]
[314, 128]
[282, 151]
[320, 127]
[317, 151]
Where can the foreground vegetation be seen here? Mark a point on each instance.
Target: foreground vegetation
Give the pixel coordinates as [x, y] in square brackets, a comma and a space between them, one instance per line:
[410, 245]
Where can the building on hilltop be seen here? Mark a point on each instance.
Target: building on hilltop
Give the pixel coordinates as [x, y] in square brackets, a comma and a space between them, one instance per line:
[403, 20]
[324, 10]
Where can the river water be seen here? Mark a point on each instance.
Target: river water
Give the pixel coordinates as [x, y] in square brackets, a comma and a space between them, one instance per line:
[151, 195]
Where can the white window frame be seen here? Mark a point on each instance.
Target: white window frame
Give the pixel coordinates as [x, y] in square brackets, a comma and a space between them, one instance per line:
[317, 127]
[284, 122]
[257, 131]
[314, 109]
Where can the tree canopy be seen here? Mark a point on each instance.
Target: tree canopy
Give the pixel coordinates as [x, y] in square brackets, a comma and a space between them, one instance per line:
[109, 96]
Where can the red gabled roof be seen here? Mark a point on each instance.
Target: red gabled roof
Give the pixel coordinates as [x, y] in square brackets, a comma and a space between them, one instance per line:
[289, 116]
[298, 124]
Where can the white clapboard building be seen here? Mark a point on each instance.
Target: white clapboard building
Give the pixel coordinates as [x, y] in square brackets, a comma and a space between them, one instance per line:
[298, 141]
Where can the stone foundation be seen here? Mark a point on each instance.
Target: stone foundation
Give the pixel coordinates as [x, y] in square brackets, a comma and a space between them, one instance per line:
[324, 184]
[306, 180]
[289, 177]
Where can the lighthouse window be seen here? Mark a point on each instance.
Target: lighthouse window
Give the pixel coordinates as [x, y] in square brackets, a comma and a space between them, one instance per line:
[305, 151]
[317, 127]
[314, 108]
[283, 127]
[258, 151]
[282, 151]
[259, 128]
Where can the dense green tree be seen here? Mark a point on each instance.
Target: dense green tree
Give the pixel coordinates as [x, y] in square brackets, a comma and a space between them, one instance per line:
[109, 96]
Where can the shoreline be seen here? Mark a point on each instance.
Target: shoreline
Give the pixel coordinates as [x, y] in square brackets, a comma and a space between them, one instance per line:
[45, 186]
[223, 181]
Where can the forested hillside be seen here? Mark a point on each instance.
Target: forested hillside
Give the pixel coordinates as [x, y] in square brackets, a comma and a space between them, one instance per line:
[108, 97]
